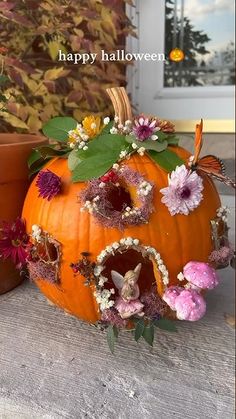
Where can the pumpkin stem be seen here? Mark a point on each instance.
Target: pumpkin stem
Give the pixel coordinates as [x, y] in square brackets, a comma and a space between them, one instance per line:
[121, 103]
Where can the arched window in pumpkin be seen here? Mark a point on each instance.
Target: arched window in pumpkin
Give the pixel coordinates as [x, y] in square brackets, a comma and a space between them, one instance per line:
[44, 256]
[223, 253]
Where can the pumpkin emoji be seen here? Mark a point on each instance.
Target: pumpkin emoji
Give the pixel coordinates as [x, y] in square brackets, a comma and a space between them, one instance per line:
[176, 55]
[113, 225]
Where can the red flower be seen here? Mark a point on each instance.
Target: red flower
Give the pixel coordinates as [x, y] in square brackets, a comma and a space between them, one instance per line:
[110, 176]
[13, 242]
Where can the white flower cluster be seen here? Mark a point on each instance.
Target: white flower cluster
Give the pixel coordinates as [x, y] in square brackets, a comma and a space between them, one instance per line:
[115, 166]
[102, 280]
[144, 188]
[154, 137]
[123, 154]
[141, 151]
[36, 233]
[109, 250]
[103, 298]
[130, 211]
[106, 120]
[78, 137]
[161, 267]
[91, 206]
[180, 276]
[120, 128]
[98, 270]
[222, 213]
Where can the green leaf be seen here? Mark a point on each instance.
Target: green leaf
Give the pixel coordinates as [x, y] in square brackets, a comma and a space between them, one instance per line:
[51, 151]
[148, 334]
[73, 159]
[106, 129]
[173, 140]
[44, 153]
[102, 153]
[93, 167]
[162, 136]
[112, 334]
[139, 328]
[37, 166]
[34, 156]
[167, 159]
[148, 144]
[165, 324]
[58, 127]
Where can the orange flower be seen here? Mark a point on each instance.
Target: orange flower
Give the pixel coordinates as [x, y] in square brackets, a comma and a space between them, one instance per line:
[92, 125]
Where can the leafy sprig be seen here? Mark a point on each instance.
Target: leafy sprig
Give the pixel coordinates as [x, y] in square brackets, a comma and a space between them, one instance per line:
[143, 328]
[103, 151]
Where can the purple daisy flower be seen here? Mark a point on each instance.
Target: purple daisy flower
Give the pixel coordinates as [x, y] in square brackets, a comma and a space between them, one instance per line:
[145, 128]
[49, 184]
[184, 192]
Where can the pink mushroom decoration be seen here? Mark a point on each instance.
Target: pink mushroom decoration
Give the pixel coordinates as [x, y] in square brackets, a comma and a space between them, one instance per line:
[170, 296]
[190, 305]
[201, 275]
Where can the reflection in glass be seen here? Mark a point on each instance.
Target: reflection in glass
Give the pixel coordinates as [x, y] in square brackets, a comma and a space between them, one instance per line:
[204, 30]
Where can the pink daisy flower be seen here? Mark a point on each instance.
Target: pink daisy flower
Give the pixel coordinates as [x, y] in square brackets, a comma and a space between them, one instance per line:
[145, 128]
[14, 241]
[184, 192]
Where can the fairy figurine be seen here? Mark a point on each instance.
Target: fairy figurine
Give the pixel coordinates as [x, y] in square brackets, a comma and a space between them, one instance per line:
[128, 303]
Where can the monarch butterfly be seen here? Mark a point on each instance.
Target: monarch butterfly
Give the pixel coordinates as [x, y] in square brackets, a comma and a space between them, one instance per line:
[209, 164]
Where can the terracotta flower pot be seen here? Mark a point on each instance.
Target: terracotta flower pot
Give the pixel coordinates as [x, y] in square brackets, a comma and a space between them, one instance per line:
[14, 181]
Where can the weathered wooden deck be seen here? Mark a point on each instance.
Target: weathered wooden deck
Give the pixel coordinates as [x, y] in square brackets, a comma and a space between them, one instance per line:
[53, 366]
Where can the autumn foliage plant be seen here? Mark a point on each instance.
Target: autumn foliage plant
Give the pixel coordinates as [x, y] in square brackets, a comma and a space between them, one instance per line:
[41, 87]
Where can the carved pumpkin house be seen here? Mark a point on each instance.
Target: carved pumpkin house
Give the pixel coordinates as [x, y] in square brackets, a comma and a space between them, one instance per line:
[116, 213]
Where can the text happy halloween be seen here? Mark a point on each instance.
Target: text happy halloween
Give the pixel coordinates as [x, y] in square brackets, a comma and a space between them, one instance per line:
[119, 55]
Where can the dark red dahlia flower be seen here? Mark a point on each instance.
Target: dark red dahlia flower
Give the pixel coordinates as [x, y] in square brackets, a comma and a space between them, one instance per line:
[14, 241]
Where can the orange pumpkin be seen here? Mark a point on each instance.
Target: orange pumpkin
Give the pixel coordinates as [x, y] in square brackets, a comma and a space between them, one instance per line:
[178, 238]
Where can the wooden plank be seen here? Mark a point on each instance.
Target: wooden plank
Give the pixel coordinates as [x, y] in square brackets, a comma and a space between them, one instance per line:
[53, 366]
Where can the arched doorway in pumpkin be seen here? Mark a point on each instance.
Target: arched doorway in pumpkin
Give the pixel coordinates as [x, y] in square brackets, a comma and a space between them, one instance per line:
[127, 261]
[128, 276]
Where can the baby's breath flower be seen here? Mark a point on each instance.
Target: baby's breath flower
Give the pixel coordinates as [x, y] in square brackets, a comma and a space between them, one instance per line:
[106, 120]
[141, 151]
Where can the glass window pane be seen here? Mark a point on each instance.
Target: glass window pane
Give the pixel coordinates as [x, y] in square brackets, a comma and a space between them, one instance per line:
[204, 30]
